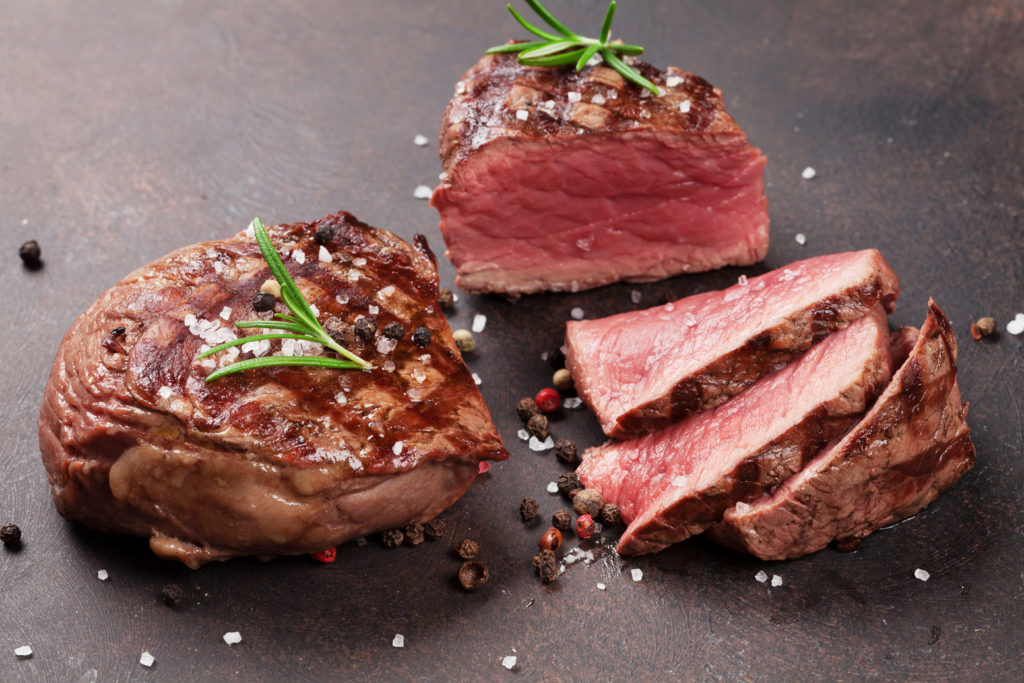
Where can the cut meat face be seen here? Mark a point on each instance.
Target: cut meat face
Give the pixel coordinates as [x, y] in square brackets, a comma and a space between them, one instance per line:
[641, 371]
[913, 444]
[269, 461]
[562, 180]
[679, 481]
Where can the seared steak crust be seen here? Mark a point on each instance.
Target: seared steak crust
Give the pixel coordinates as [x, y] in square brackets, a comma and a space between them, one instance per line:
[270, 461]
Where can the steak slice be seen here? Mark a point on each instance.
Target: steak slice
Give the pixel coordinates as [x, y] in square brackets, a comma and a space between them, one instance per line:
[912, 445]
[677, 482]
[599, 182]
[270, 461]
[643, 370]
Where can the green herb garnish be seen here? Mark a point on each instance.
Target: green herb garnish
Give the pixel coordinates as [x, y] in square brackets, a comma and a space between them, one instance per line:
[301, 324]
[571, 48]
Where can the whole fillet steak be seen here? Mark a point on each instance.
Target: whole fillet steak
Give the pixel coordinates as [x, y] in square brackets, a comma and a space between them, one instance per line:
[912, 445]
[268, 461]
[561, 180]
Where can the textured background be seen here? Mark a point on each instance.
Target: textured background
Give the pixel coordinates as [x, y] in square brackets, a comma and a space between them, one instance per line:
[128, 129]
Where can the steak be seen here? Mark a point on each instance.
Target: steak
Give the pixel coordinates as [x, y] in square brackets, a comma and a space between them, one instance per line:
[677, 482]
[641, 371]
[278, 460]
[912, 445]
[562, 180]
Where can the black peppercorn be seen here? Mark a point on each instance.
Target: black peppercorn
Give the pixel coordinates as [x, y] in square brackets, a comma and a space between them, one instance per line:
[392, 538]
[31, 254]
[434, 529]
[446, 299]
[414, 534]
[562, 520]
[340, 331]
[588, 502]
[324, 234]
[569, 482]
[538, 426]
[366, 329]
[610, 514]
[472, 574]
[395, 330]
[263, 302]
[546, 565]
[567, 452]
[171, 594]
[527, 408]
[529, 509]
[467, 550]
[421, 337]
[556, 359]
[118, 331]
[10, 535]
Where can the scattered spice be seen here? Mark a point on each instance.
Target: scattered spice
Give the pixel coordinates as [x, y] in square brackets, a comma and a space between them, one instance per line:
[562, 379]
[421, 337]
[464, 341]
[340, 331]
[468, 549]
[434, 529]
[546, 565]
[414, 534]
[171, 594]
[610, 514]
[588, 502]
[548, 400]
[562, 520]
[446, 299]
[551, 540]
[983, 328]
[585, 526]
[538, 426]
[263, 302]
[324, 234]
[271, 286]
[366, 329]
[31, 255]
[326, 556]
[526, 408]
[10, 535]
[118, 331]
[472, 574]
[529, 509]
[394, 330]
[392, 538]
[567, 452]
[568, 483]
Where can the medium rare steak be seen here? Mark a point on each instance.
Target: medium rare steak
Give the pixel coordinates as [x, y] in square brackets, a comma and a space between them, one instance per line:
[912, 445]
[275, 460]
[562, 180]
[643, 370]
[677, 482]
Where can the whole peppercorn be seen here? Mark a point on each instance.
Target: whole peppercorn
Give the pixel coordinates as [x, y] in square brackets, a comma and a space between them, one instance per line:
[324, 234]
[171, 594]
[434, 529]
[983, 328]
[562, 520]
[421, 337]
[118, 331]
[392, 538]
[546, 565]
[366, 329]
[31, 255]
[585, 526]
[538, 426]
[529, 509]
[394, 330]
[526, 408]
[567, 452]
[446, 299]
[562, 380]
[10, 535]
[551, 540]
[588, 502]
[569, 482]
[340, 331]
[610, 514]
[271, 286]
[548, 400]
[263, 302]
[472, 574]
[467, 550]
[325, 556]
[464, 341]
[414, 534]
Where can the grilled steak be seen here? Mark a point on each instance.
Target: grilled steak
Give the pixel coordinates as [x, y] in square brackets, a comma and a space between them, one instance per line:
[562, 180]
[643, 370]
[912, 445]
[275, 460]
[677, 482]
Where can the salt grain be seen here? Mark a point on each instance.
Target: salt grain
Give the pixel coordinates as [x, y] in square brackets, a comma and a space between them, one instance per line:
[576, 313]
[549, 104]
[597, 99]
[601, 587]
[684, 106]
[552, 487]
[776, 580]
[165, 393]
[146, 659]
[420, 140]
[742, 280]
[523, 435]
[575, 97]
[23, 651]
[232, 637]
[373, 309]
[572, 403]
[398, 640]
[508, 662]
[102, 575]
[479, 322]
[540, 446]
[386, 345]
[522, 114]
[635, 296]
[421, 192]
[1016, 326]
[637, 574]
[323, 255]
[225, 313]
[801, 238]
[386, 292]
[808, 173]
[477, 380]
[761, 576]
[673, 81]
[921, 574]
[299, 255]
[359, 262]
[397, 448]
[340, 398]
[388, 365]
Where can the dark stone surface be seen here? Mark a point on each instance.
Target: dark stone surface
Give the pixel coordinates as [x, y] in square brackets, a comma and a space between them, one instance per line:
[129, 129]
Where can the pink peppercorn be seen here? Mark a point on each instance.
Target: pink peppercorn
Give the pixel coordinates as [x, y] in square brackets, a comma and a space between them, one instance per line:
[548, 400]
[585, 526]
[326, 556]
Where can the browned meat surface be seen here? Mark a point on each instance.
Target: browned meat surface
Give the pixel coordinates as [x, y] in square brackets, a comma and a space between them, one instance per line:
[912, 445]
[269, 461]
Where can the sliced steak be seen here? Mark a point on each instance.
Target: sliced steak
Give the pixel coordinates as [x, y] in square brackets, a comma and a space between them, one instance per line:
[643, 370]
[562, 180]
[912, 445]
[276, 460]
[677, 482]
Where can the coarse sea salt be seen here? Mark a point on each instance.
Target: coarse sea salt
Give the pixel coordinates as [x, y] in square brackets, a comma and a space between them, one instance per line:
[479, 322]
[572, 403]
[601, 586]
[575, 97]
[386, 345]
[373, 309]
[598, 99]
[742, 280]
[398, 640]
[776, 580]
[808, 173]
[508, 662]
[636, 574]
[146, 659]
[921, 574]
[540, 446]
[552, 487]
[635, 296]
[165, 392]
[1016, 326]
[523, 435]
[103, 575]
[477, 380]
[340, 398]
[397, 448]
[232, 637]
[420, 140]
[299, 255]
[576, 313]
[323, 255]
[359, 262]
[761, 576]
[421, 192]
[684, 106]
[522, 114]
[673, 81]
[23, 651]
[388, 365]
[385, 292]
[801, 238]
[225, 313]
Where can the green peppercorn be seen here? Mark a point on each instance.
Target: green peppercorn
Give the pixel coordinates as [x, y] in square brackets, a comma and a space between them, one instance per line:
[464, 340]
[562, 380]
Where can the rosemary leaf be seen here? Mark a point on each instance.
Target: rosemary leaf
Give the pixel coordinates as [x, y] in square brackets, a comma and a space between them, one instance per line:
[627, 71]
[554, 60]
[530, 27]
[548, 49]
[586, 56]
[277, 361]
[251, 338]
[272, 325]
[606, 27]
[515, 47]
[549, 18]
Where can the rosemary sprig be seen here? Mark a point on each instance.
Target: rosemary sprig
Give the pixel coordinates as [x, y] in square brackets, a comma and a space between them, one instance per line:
[571, 48]
[301, 324]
